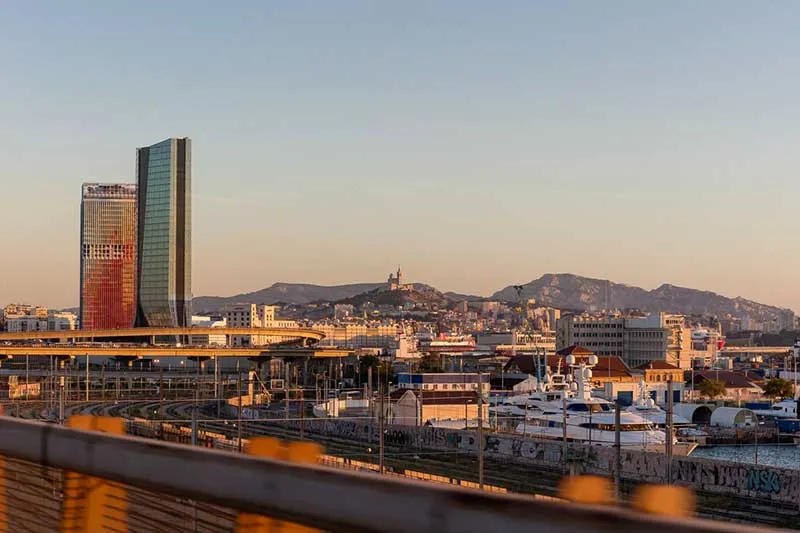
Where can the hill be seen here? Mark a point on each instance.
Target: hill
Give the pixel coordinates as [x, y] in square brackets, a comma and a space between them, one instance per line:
[568, 291]
[421, 294]
[294, 293]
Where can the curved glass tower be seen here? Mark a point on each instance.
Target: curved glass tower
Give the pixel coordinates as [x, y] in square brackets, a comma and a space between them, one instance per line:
[164, 285]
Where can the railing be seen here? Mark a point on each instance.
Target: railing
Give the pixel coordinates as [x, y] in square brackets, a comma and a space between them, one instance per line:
[62, 479]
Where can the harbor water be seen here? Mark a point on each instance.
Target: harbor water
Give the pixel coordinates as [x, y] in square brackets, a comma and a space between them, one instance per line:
[777, 455]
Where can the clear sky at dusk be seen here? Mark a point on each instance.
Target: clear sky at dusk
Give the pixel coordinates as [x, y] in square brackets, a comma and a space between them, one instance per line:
[477, 143]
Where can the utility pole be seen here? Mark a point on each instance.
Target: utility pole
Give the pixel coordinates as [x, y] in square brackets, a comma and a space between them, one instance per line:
[670, 432]
[286, 388]
[196, 405]
[756, 442]
[564, 429]
[87, 378]
[61, 384]
[380, 423]
[239, 412]
[302, 413]
[217, 386]
[617, 448]
[161, 393]
[480, 430]
[795, 351]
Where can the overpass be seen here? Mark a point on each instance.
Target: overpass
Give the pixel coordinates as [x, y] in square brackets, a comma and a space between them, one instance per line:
[305, 335]
[141, 352]
[756, 350]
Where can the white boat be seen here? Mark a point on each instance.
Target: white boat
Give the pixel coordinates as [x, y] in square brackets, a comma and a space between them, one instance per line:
[591, 420]
[550, 389]
[647, 408]
[782, 409]
[507, 408]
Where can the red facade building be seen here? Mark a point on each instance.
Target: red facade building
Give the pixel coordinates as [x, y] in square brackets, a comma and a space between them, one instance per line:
[108, 256]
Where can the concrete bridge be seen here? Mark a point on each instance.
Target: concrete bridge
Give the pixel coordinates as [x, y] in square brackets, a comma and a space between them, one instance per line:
[304, 335]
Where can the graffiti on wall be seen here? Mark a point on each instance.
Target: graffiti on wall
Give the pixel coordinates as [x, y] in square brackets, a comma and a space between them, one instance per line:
[700, 474]
[763, 481]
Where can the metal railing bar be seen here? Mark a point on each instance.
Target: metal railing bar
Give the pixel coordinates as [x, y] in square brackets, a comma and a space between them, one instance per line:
[313, 495]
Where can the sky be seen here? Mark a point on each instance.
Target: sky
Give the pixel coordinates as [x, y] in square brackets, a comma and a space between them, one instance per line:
[479, 144]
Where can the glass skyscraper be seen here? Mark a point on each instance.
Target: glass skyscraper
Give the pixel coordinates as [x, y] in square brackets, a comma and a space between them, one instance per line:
[108, 256]
[163, 178]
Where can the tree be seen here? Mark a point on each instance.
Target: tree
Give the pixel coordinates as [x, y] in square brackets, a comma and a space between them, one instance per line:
[778, 388]
[711, 388]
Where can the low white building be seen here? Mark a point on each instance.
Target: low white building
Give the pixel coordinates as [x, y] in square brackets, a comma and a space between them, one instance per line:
[208, 340]
[420, 407]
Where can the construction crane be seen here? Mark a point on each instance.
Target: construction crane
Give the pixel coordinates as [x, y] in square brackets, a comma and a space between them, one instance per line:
[526, 326]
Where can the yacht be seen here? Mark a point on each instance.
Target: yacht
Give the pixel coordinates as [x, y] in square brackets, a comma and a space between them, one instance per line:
[590, 420]
[647, 408]
[782, 409]
[549, 389]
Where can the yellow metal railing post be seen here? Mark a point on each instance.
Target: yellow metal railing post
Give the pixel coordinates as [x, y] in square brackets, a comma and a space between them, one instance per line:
[297, 452]
[665, 500]
[93, 504]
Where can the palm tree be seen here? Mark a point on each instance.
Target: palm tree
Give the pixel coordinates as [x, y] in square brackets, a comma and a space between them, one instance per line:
[712, 389]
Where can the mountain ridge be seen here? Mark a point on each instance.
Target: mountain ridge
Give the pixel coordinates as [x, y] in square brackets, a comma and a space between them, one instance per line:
[571, 291]
[562, 290]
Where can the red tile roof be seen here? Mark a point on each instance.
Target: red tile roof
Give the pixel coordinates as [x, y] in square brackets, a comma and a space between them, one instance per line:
[657, 365]
[732, 380]
[577, 351]
[607, 365]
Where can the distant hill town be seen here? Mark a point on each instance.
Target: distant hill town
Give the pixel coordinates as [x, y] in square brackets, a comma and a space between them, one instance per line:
[564, 291]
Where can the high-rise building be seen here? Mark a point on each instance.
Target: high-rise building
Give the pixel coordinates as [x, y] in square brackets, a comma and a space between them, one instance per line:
[108, 256]
[164, 177]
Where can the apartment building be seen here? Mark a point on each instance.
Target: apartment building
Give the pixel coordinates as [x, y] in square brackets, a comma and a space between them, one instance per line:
[656, 337]
[62, 321]
[20, 318]
[637, 339]
[360, 335]
[601, 334]
[256, 316]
